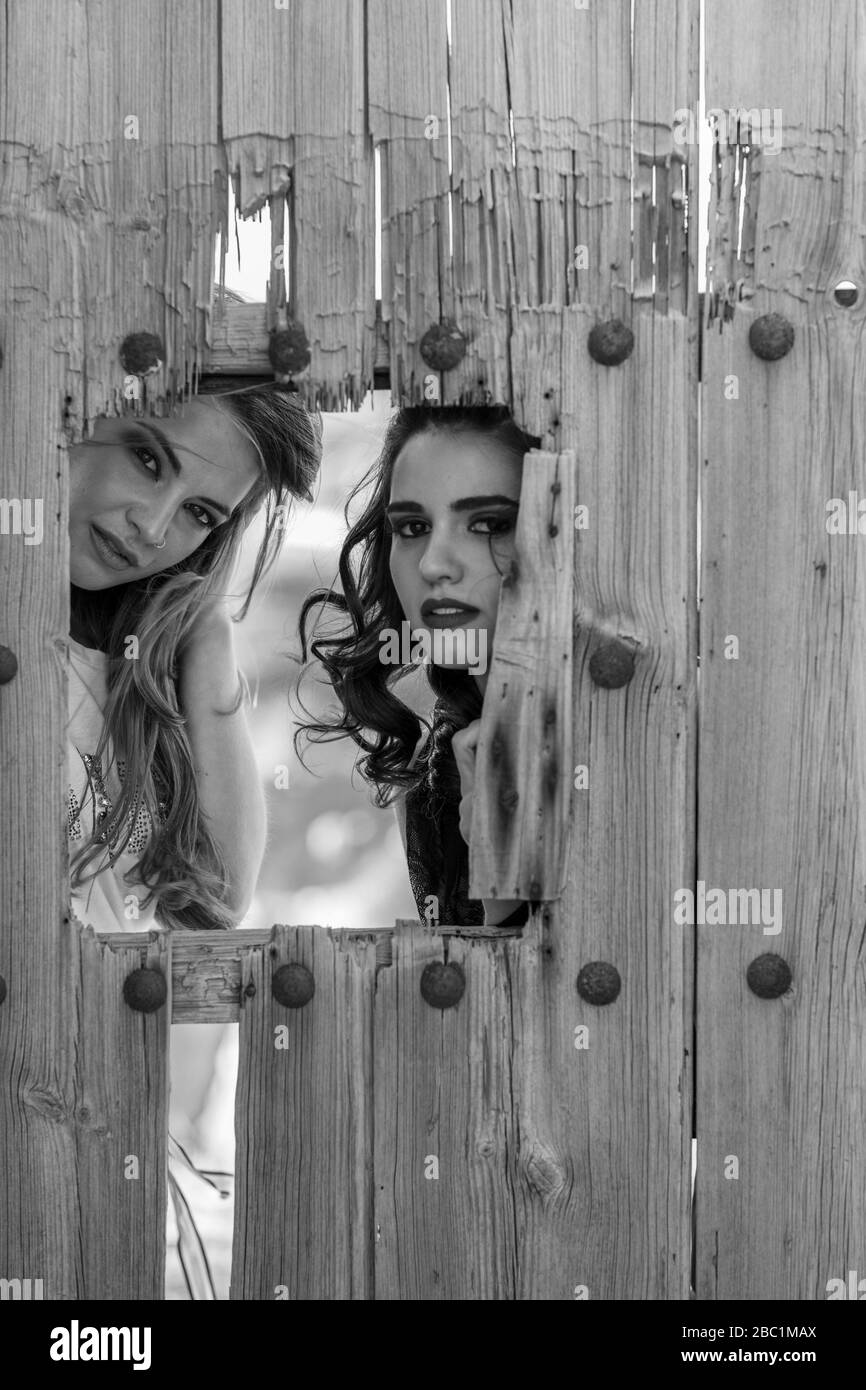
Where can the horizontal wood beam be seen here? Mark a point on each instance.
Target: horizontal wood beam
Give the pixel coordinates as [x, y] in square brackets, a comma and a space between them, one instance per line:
[207, 966]
[239, 343]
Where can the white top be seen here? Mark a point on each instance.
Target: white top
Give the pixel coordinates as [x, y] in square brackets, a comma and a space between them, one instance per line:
[105, 902]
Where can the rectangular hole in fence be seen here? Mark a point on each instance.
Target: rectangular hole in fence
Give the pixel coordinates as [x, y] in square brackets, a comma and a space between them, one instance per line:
[331, 856]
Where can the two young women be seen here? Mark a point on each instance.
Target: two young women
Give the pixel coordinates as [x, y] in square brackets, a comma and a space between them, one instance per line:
[166, 814]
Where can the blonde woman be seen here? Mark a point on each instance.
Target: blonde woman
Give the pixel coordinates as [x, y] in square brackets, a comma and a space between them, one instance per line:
[166, 815]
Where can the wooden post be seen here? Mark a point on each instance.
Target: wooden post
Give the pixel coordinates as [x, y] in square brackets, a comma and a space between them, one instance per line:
[106, 230]
[304, 1107]
[614, 968]
[408, 119]
[293, 123]
[781, 1197]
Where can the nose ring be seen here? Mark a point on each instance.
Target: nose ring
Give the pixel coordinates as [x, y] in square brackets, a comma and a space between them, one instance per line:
[160, 546]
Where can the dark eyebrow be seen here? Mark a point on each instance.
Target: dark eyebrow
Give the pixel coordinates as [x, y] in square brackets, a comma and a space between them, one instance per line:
[463, 504]
[146, 427]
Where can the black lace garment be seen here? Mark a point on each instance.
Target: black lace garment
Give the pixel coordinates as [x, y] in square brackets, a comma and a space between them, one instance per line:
[437, 854]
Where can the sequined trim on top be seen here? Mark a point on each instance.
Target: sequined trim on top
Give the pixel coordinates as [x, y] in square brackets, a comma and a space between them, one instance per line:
[103, 810]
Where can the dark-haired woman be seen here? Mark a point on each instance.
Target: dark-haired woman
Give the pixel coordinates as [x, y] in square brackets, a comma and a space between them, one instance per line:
[166, 815]
[420, 572]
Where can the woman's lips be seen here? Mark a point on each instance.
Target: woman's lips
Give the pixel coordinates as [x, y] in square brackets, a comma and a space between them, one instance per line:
[460, 617]
[107, 552]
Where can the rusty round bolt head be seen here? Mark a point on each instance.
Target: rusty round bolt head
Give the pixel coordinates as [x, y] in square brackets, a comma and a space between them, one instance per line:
[2, 989]
[846, 294]
[443, 346]
[610, 343]
[612, 665]
[599, 982]
[293, 985]
[289, 349]
[141, 353]
[769, 976]
[8, 665]
[442, 985]
[771, 337]
[145, 990]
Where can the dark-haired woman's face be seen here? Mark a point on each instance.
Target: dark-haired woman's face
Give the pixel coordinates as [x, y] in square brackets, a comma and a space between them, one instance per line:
[144, 494]
[452, 511]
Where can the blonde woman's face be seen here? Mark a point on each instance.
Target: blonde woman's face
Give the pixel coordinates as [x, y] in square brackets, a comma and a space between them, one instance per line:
[452, 512]
[144, 494]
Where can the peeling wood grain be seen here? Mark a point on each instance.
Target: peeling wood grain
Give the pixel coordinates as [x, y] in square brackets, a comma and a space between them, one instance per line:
[569, 79]
[408, 97]
[122, 150]
[294, 124]
[520, 829]
[482, 204]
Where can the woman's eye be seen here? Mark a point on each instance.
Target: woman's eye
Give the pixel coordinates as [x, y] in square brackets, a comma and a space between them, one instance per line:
[146, 456]
[404, 529]
[493, 525]
[203, 517]
[149, 460]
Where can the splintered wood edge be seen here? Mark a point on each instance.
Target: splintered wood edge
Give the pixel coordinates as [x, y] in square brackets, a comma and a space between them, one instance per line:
[206, 966]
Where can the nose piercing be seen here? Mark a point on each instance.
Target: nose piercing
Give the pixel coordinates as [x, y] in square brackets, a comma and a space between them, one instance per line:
[160, 546]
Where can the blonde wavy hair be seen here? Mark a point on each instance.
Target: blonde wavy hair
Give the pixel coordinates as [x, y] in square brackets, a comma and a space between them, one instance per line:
[144, 729]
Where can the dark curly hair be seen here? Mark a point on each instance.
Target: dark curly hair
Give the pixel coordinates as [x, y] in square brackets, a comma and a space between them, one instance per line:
[385, 729]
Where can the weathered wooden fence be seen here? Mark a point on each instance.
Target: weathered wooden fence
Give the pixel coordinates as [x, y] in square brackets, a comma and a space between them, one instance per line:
[538, 180]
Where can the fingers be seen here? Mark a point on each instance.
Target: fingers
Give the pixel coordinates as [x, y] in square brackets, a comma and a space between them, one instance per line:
[464, 744]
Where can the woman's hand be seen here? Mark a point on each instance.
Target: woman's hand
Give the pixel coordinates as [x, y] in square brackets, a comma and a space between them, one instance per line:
[465, 746]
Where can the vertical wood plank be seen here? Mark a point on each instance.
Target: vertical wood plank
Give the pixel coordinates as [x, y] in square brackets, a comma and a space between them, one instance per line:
[570, 83]
[304, 1123]
[782, 786]
[448, 1216]
[39, 1232]
[519, 837]
[78, 203]
[293, 122]
[633, 430]
[124, 148]
[482, 203]
[120, 1119]
[407, 65]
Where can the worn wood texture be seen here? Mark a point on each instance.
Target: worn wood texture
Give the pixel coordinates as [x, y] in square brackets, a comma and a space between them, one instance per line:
[782, 780]
[239, 342]
[293, 122]
[37, 1132]
[482, 205]
[304, 1123]
[121, 150]
[633, 431]
[520, 833]
[118, 1119]
[570, 85]
[100, 236]
[449, 1202]
[407, 66]
[206, 971]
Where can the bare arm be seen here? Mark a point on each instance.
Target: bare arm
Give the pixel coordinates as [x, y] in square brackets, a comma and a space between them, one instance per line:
[229, 790]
